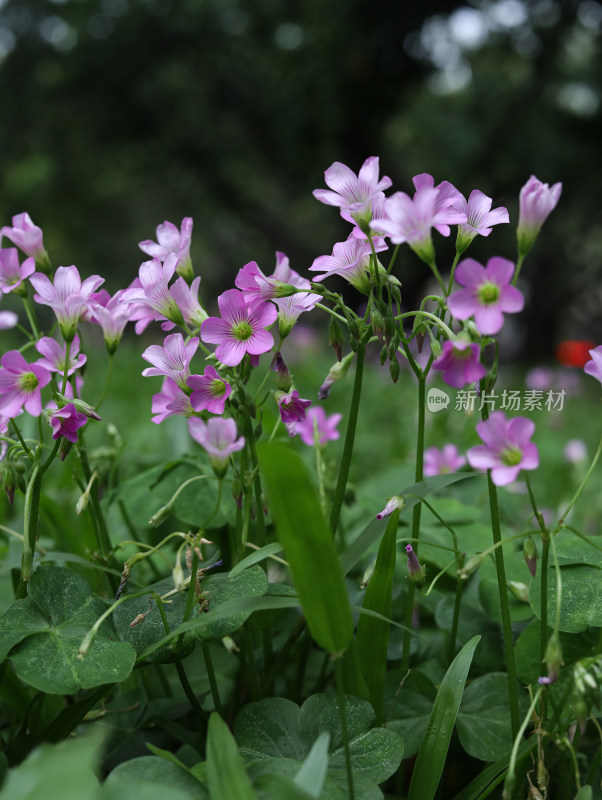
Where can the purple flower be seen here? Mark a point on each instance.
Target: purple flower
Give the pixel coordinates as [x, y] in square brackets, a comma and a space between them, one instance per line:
[65, 422]
[153, 292]
[170, 240]
[507, 448]
[172, 360]
[460, 363]
[170, 401]
[410, 220]
[441, 462]
[480, 218]
[393, 503]
[112, 314]
[27, 237]
[218, 437]
[20, 385]
[55, 355]
[209, 391]
[350, 260]
[536, 201]
[353, 194]
[487, 295]
[187, 300]
[316, 426]
[291, 406]
[241, 329]
[594, 367]
[68, 296]
[12, 274]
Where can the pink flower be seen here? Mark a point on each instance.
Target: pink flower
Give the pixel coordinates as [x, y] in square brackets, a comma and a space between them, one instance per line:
[54, 355]
[209, 391]
[410, 219]
[594, 367]
[480, 217]
[575, 450]
[218, 438]
[416, 571]
[68, 296]
[187, 300]
[8, 319]
[20, 385]
[350, 260]
[507, 448]
[112, 314]
[241, 329]
[27, 237]
[172, 360]
[170, 240]
[291, 406]
[536, 201]
[441, 462]
[170, 401]
[353, 194]
[153, 289]
[316, 425]
[65, 422]
[487, 295]
[460, 363]
[12, 274]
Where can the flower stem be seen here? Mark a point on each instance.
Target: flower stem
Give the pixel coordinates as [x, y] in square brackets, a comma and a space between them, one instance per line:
[337, 503]
[107, 382]
[211, 675]
[30, 524]
[416, 514]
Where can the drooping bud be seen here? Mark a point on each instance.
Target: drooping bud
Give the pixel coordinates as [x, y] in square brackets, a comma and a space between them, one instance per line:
[394, 370]
[336, 373]
[519, 590]
[9, 482]
[393, 503]
[530, 555]
[471, 566]
[416, 571]
[284, 379]
[552, 659]
[367, 575]
[335, 338]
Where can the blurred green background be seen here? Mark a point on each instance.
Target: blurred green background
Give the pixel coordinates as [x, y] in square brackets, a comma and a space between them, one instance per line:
[119, 114]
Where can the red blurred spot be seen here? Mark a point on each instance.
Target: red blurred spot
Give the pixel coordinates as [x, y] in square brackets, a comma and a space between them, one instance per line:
[574, 352]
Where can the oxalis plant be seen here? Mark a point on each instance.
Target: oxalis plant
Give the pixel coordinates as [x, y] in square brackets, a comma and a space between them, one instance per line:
[242, 627]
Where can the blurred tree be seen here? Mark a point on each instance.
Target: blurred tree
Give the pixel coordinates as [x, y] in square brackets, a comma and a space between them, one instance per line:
[117, 115]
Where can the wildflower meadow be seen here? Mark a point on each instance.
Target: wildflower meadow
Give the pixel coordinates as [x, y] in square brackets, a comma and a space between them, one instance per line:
[304, 539]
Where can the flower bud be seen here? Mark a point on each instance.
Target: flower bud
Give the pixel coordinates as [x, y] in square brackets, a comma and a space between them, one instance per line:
[530, 555]
[9, 482]
[552, 659]
[160, 515]
[471, 566]
[519, 590]
[336, 373]
[393, 503]
[416, 571]
[367, 575]
[284, 379]
[394, 370]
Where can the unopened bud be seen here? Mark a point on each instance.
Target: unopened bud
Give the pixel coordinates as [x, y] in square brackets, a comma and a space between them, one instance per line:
[336, 373]
[519, 590]
[416, 571]
[530, 555]
[383, 355]
[80, 405]
[335, 337]
[393, 503]
[284, 379]
[394, 370]
[9, 482]
[378, 323]
[161, 515]
[367, 575]
[552, 659]
[471, 566]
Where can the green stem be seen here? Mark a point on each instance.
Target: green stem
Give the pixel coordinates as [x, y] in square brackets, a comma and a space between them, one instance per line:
[211, 675]
[30, 524]
[446, 330]
[451, 650]
[416, 514]
[15, 428]
[107, 382]
[519, 264]
[337, 502]
[259, 516]
[338, 671]
[518, 738]
[66, 373]
[31, 316]
[453, 269]
[543, 578]
[504, 604]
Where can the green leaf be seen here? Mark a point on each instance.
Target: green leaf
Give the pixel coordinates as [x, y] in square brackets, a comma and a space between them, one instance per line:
[312, 774]
[373, 633]
[484, 717]
[63, 771]
[58, 612]
[408, 709]
[528, 662]
[585, 793]
[308, 547]
[269, 728]
[153, 778]
[225, 770]
[151, 632]
[279, 787]
[353, 680]
[581, 607]
[435, 743]
[255, 557]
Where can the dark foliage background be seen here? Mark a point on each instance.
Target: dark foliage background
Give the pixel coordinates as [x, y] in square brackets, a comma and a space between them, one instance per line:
[116, 115]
